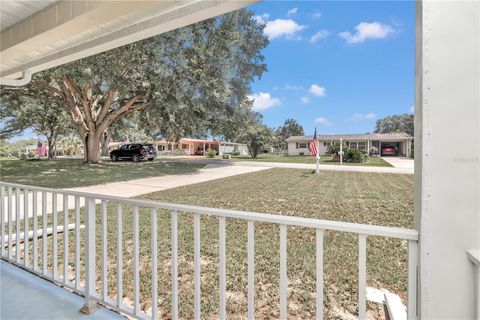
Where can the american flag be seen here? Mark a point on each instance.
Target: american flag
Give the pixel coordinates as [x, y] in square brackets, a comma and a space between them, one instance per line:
[38, 150]
[313, 145]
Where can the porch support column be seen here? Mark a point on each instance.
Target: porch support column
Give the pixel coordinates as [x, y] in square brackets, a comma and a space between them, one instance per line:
[447, 184]
[204, 149]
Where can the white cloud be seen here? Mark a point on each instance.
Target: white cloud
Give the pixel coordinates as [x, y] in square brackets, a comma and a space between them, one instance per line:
[412, 109]
[282, 28]
[263, 101]
[305, 100]
[366, 116]
[323, 121]
[292, 11]
[316, 15]
[317, 90]
[321, 34]
[263, 18]
[365, 31]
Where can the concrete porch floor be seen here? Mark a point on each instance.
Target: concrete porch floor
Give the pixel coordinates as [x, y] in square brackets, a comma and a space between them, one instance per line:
[26, 296]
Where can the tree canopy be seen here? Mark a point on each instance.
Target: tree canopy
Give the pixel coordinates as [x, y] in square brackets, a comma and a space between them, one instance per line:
[190, 81]
[396, 123]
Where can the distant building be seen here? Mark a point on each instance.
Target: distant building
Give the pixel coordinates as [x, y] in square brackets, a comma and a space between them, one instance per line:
[192, 147]
[395, 143]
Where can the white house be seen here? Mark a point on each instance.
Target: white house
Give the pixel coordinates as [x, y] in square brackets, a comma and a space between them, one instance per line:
[398, 142]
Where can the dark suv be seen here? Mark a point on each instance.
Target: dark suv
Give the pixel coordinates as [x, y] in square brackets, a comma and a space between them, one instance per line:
[134, 151]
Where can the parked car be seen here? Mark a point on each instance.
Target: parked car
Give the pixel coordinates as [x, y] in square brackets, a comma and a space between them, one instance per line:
[134, 152]
[388, 151]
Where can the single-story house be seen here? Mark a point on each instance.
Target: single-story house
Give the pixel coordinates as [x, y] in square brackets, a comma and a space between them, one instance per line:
[394, 143]
[193, 146]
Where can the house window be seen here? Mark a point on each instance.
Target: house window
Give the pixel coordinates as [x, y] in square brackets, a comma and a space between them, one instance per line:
[308, 145]
[361, 145]
[296, 145]
[302, 145]
[324, 143]
[184, 146]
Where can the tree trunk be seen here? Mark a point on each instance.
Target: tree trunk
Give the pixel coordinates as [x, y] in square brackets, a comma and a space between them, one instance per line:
[92, 148]
[51, 148]
[105, 141]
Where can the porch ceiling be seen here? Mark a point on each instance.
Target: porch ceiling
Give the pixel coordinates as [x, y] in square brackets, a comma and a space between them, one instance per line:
[50, 33]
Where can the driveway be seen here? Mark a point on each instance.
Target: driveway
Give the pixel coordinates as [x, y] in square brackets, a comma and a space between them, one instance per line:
[398, 162]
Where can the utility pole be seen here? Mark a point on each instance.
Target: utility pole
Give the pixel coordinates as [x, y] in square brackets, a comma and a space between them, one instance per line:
[341, 151]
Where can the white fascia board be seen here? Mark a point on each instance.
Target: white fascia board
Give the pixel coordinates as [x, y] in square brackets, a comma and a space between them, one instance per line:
[182, 14]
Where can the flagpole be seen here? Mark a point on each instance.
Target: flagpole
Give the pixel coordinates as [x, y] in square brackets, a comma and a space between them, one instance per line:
[318, 153]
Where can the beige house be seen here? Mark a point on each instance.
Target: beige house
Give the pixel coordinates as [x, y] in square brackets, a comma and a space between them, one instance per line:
[395, 143]
[193, 147]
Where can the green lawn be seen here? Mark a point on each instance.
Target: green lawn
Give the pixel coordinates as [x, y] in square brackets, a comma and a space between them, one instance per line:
[268, 157]
[68, 173]
[373, 198]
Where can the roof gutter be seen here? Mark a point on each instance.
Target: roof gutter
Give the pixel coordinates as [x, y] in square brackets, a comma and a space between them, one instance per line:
[24, 80]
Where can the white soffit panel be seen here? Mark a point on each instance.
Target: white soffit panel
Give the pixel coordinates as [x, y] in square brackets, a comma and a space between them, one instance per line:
[69, 30]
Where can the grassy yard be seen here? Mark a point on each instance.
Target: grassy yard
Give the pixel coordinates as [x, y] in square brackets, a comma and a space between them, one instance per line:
[68, 173]
[268, 157]
[382, 199]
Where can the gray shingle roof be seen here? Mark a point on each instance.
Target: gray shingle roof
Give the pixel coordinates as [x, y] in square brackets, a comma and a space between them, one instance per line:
[366, 136]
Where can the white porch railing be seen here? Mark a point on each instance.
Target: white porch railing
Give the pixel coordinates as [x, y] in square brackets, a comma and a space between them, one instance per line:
[27, 201]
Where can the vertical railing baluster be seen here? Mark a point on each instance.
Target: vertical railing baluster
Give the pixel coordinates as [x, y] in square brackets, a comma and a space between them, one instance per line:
[319, 272]
[2, 222]
[54, 235]
[362, 275]
[65, 239]
[174, 225]
[77, 242]
[10, 218]
[283, 271]
[154, 266]
[35, 229]
[222, 266]
[412, 278]
[17, 229]
[119, 257]
[90, 265]
[44, 233]
[25, 227]
[136, 257]
[251, 269]
[104, 251]
[197, 257]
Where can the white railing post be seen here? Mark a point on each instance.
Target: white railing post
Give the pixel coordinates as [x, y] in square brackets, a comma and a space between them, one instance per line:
[35, 230]
[77, 243]
[362, 276]
[54, 236]
[25, 227]
[90, 274]
[222, 267]
[119, 257]
[104, 251]
[474, 256]
[251, 269]
[283, 272]
[412, 279]
[174, 226]
[17, 222]
[2, 214]
[136, 257]
[197, 257]
[154, 266]
[319, 273]
[44, 234]
[10, 218]
[65, 239]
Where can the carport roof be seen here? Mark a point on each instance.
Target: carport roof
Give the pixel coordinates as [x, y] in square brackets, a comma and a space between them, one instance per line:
[400, 136]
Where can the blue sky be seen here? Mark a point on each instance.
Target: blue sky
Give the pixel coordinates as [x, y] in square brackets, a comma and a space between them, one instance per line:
[335, 65]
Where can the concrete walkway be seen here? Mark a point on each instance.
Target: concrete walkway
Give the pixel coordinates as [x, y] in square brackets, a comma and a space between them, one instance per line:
[131, 188]
[26, 296]
[324, 167]
[398, 162]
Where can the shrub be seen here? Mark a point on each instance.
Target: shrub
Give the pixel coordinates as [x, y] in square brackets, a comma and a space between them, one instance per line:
[373, 151]
[235, 153]
[178, 152]
[354, 156]
[211, 153]
[226, 156]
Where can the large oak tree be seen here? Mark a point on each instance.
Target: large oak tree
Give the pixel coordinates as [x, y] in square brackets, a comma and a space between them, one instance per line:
[190, 81]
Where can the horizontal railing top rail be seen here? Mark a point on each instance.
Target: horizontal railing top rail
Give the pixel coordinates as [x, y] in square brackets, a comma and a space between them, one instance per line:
[366, 229]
